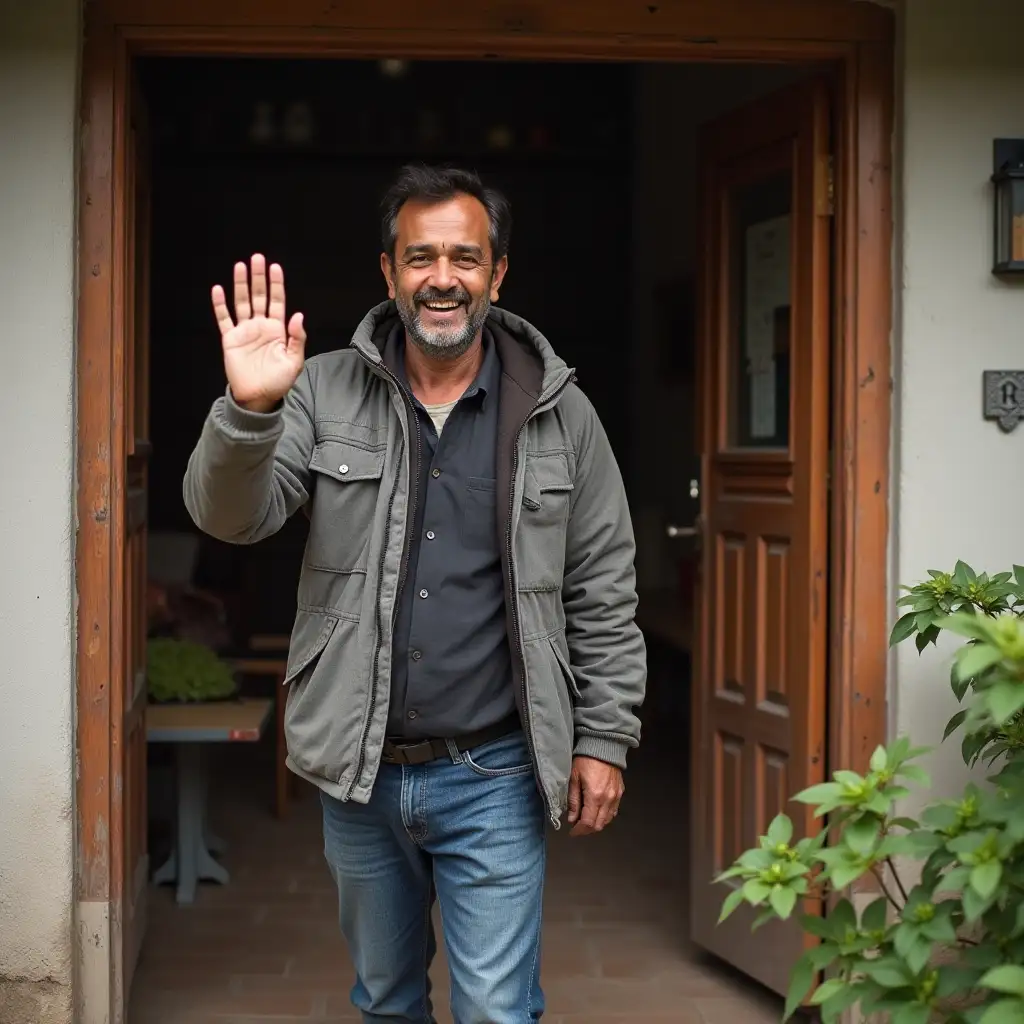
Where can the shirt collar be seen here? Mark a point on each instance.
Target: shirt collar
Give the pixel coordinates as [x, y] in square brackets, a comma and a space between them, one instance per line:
[488, 378]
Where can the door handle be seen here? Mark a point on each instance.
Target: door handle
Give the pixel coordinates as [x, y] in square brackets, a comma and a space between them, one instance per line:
[682, 531]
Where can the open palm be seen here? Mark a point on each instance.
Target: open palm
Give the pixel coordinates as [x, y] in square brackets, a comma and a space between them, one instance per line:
[262, 357]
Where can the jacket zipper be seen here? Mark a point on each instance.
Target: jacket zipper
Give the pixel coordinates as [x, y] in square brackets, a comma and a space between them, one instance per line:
[513, 596]
[414, 483]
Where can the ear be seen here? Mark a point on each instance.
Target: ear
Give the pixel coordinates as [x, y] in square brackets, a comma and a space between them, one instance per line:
[500, 269]
[388, 270]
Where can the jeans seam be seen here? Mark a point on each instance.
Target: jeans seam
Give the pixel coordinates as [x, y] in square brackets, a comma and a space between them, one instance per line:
[427, 1016]
[539, 920]
[494, 773]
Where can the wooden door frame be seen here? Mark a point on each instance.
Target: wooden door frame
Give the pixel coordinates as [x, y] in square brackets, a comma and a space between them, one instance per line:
[856, 37]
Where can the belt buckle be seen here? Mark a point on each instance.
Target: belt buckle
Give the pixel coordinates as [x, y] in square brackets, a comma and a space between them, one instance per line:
[417, 752]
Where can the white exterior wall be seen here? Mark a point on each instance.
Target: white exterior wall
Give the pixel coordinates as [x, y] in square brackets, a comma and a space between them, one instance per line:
[959, 481]
[39, 46]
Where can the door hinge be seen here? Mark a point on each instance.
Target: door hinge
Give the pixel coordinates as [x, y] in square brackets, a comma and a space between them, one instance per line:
[826, 186]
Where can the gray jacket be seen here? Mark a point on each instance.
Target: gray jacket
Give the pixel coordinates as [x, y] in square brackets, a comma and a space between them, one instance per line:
[339, 448]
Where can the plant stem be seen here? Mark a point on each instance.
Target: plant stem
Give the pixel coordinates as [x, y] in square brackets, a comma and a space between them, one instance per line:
[896, 877]
[888, 895]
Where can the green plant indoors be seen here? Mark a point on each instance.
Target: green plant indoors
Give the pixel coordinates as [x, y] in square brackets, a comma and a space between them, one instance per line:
[949, 948]
[179, 670]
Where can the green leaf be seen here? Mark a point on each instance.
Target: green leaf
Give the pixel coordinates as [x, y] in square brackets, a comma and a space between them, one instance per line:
[826, 990]
[975, 905]
[839, 1001]
[875, 915]
[1009, 978]
[1004, 700]
[985, 878]
[915, 774]
[846, 873]
[862, 835]
[800, 982]
[1006, 1011]
[782, 900]
[819, 794]
[732, 901]
[843, 918]
[780, 831]
[974, 659]
[954, 723]
[963, 574]
[887, 972]
[906, 626]
[879, 759]
[756, 892]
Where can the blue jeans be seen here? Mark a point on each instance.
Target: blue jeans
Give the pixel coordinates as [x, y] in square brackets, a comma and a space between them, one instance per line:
[468, 830]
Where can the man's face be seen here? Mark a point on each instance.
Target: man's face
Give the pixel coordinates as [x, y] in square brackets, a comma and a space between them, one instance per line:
[443, 278]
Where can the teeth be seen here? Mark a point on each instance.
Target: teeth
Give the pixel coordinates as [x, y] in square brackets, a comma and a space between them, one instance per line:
[442, 305]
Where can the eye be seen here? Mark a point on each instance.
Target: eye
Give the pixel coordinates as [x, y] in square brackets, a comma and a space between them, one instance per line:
[419, 260]
[468, 261]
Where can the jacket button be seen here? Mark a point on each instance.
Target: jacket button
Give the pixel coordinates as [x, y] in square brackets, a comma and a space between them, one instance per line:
[343, 469]
[424, 594]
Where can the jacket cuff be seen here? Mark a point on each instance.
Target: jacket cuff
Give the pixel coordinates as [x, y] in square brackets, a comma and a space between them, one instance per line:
[246, 424]
[602, 748]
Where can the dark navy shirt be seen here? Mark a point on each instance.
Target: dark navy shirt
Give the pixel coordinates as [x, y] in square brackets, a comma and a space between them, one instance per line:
[451, 666]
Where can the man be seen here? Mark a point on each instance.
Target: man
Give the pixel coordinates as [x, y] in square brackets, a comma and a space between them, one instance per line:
[464, 664]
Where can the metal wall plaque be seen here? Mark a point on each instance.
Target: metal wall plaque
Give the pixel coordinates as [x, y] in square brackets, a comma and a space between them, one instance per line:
[1004, 397]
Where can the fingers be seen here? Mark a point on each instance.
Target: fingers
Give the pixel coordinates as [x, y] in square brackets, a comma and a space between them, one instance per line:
[599, 788]
[276, 308]
[220, 310]
[575, 798]
[243, 308]
[259, 285]
[297, 333]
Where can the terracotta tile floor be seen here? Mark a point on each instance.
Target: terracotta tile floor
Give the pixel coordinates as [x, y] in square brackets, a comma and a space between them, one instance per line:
[266, 947]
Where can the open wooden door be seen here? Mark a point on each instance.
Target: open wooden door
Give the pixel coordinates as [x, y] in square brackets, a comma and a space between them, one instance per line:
[128, 714]
[763, 361]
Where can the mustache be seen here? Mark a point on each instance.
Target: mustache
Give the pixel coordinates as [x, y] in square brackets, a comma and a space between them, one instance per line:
[436, 295]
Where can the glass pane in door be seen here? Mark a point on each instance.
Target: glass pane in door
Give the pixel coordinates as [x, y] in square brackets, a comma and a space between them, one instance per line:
[759, 312]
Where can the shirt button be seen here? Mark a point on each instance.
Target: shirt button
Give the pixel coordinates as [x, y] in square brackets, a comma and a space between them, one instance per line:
[412, 714]
[435, 473]
[424, 594]
[416, 655]
[343, 469]
[431, 535]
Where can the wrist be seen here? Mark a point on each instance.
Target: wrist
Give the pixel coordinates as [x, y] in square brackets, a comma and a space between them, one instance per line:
[258, 405]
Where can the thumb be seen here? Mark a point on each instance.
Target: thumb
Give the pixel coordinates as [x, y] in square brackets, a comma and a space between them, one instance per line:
[575, 798]
[297, 332]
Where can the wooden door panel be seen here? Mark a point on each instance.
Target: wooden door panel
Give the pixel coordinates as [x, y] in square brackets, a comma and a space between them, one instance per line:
[759, 687]
[130, 867]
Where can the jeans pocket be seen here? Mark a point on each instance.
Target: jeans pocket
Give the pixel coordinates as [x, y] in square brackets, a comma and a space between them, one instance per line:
[507, 756]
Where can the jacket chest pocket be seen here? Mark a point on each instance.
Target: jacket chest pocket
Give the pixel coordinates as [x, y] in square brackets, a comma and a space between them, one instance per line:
[547, 496]
[346, 493]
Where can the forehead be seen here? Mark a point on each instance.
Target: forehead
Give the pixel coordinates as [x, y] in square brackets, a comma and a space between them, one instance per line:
[461, 220]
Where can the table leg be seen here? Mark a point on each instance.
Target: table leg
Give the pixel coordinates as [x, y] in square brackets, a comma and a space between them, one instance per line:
[191, 860]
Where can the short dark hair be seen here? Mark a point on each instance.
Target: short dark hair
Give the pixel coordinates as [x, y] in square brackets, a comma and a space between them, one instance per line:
[420, 183]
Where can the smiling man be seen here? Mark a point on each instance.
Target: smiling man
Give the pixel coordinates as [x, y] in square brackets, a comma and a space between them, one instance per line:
[464, 665]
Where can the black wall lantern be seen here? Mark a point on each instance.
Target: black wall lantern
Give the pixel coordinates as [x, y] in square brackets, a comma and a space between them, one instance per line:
[1008, 178]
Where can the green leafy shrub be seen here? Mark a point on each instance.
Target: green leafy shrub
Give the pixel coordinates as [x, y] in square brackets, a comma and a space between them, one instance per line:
[949, 948]
[179, 670]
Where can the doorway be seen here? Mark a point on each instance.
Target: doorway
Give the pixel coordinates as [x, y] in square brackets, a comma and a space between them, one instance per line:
[852, 205]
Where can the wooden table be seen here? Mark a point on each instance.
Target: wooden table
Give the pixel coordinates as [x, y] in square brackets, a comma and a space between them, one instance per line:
[190, 727]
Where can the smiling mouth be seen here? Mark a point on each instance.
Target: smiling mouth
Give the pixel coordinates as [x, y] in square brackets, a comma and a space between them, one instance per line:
[442, 307]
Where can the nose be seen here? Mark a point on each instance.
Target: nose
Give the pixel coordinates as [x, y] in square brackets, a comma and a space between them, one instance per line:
[442, 278]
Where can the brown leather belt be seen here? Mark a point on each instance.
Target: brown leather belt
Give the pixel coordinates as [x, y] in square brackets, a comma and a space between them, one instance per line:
[400, 751]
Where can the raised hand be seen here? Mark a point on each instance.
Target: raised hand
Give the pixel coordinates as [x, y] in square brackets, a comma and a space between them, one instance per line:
[262, 358]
